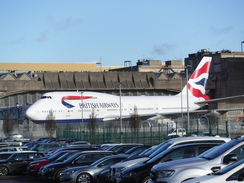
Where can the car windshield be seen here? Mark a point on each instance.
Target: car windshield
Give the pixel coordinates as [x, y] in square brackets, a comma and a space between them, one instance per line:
[64, 157]
[160, 149]
[99, 161]
[159, 156]
[56, 155]
[220, 150]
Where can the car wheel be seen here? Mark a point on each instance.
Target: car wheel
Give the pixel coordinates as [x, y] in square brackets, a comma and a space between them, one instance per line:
[58, 174]
[146, 179]
[84, 178]
[3, 171]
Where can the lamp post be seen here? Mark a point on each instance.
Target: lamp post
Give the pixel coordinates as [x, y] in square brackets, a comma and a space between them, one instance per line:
[241, 46]
[82, 122]
[181, 102]
[120, 112]
[17, 106]
[187, 101]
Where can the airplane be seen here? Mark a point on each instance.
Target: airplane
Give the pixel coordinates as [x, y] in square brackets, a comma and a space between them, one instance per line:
[81, 106]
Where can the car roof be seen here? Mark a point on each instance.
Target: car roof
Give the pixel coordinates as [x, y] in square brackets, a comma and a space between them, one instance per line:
[191, 139]
[16, 152]
[13, 147]
[199, 138]
[195, 144]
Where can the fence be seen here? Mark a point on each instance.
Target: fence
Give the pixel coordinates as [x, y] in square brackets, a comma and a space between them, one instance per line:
[149, 135]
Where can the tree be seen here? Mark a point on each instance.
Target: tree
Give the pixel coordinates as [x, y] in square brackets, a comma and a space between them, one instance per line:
[8, 124]
[51, 124]
[92, 126]
[92, 123]
[135, 120]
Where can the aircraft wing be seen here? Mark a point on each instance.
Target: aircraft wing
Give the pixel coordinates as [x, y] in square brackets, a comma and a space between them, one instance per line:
[216, 112]
[220, 99]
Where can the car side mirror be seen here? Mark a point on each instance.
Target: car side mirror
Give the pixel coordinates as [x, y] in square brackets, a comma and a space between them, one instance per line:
[230, 158]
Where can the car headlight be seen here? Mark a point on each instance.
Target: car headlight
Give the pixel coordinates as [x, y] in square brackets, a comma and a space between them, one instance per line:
[165, 173]
[34, 164]
[50, 169]
[128, 174]
[69, 172]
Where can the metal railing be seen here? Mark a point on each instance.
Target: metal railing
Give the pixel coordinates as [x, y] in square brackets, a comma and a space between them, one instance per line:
[149, 135]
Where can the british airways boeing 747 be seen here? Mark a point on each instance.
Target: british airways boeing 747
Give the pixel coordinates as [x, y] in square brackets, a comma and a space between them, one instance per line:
[72, 106]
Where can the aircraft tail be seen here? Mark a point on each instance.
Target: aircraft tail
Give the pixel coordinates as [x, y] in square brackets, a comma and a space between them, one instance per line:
[198, 80]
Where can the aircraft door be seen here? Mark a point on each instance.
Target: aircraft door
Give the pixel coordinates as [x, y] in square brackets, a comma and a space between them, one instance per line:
[68, 114]
[131, 109]
[156, 108]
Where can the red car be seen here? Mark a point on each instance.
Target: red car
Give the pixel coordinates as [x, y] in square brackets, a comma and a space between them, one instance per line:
[34, 166]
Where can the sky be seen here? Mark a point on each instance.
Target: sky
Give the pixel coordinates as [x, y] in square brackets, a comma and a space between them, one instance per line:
[114, 31]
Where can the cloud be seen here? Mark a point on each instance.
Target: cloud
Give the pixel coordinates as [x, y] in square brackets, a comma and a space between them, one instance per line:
[220, 31]
[18, 41]
[163, 49]
[68, 22]
[43, 36]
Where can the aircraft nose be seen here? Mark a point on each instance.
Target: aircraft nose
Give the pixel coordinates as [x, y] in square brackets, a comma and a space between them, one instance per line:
[30, 113]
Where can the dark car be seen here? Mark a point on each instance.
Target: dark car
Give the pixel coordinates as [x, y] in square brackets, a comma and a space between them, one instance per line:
[81, 148]
[140, 173]
[125, 148]
[5, 155]
[41, 147]
[136, 150]
[89, 173]
[35, 165]
[17, 162]
[52, 171]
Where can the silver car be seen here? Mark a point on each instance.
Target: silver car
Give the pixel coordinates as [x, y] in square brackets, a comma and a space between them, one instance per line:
[231, 174]
[181, 170]
[89, 173]
[116, 169]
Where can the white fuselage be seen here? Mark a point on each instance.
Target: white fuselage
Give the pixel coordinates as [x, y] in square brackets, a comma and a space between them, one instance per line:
[105, 107]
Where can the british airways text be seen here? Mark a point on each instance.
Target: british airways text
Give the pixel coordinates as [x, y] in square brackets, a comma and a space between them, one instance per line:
[98, 105]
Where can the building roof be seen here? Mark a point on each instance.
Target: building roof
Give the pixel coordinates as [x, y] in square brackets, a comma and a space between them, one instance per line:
[54, 67]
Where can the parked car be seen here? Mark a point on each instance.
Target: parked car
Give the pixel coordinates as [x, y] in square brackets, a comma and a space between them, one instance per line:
[35, 165]
[180, 132]
[136, 150]
[181, 170]
[124, 148]
[52, 171]
[15, 137]
[140, 173]
[116, 147]
[231, 174]
[17, 162]
[80, 143]
[89, 173]
[5, 155]
[41, 147]
[13, 149]
[116, 169]
[10, 143]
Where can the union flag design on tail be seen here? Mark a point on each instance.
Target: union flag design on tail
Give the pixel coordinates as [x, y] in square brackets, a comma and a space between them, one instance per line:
[198, 79]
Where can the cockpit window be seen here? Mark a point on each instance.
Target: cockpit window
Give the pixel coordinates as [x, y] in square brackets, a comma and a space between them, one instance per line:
[46, 97]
